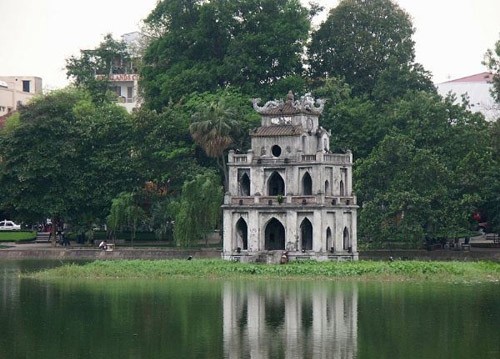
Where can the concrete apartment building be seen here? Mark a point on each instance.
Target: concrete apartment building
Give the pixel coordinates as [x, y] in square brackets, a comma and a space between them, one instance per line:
[123, 77]
[17, 89]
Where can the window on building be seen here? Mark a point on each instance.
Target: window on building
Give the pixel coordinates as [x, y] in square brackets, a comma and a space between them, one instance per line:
[244, 185]
[307, 184]
[329, 243]
[274, 235]
[343, 182]
[346, 240]
[130, 94]
[26, 86]
[276, 185]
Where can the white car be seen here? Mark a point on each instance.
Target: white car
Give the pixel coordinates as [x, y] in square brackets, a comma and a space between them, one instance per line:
[6, 225]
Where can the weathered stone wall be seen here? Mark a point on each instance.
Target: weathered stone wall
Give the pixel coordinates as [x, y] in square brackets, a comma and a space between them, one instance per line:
[441, 255]
[96, 254]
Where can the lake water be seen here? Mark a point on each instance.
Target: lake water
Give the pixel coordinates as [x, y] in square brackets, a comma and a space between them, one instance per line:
[243, 319]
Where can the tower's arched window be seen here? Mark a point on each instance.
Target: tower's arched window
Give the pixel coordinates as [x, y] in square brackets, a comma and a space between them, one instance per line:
[276, 185]
[242, 234]
[274, 235]
[327, 188]
[245, 185]
[346, 240]
[342, 190]
[329, 243]
[307, 184]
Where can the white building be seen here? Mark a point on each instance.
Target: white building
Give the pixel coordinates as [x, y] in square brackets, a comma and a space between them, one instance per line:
[478, 89]
[289, 193]
[15, 90]
[124, 78]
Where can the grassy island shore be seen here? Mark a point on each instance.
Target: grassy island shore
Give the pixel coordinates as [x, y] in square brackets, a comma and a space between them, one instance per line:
[361, 270]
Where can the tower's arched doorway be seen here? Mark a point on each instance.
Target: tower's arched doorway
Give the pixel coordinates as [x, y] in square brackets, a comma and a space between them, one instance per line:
[346, 239]
[306, 234]
[307, 184]
[276, 185]
[242, 234]
[274, 235]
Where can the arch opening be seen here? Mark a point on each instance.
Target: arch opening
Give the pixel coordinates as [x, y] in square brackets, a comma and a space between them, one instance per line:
[346, 240]
[245, 185]
[242, 234]
[274, 235]
[306, 234]
[307, 184]
[276, 185]
[329, 243]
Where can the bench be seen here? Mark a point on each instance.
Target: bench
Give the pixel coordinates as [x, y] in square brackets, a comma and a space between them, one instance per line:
[42, 237]
[494, 237]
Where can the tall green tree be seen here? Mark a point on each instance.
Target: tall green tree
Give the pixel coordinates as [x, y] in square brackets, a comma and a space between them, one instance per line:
[435, 157]
[126, 212]
[201, 46]
[198, 209]
[492, 62]
[163, 148]
[359, 40]
[212, 129]
[67, 158]
[403, 191]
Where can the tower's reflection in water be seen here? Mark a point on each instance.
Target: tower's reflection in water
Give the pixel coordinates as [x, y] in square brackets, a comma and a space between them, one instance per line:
[290, 320]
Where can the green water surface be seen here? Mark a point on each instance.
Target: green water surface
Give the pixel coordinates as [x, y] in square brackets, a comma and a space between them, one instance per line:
[243, 319]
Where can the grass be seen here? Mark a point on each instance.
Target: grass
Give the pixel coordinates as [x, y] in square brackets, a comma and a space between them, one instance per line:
[362, 270]
[17, 236]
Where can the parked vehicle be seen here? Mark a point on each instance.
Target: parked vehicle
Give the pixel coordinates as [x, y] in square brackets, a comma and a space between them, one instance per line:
[7, 225]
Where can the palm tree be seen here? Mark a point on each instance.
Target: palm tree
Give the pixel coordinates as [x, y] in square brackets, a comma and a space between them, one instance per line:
[213, 128]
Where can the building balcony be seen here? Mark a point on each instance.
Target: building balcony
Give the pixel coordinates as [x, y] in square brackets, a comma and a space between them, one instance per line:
[119, 77]
[320, 157]
[290, 201]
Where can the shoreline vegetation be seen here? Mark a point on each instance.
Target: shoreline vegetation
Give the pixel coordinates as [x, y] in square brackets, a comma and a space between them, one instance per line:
[418, 271]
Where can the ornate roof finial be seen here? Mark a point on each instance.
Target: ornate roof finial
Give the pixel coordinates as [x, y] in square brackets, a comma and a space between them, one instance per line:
[306, 104]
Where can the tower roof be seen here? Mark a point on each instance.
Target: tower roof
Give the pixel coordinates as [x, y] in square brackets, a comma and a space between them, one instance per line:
[277, 130]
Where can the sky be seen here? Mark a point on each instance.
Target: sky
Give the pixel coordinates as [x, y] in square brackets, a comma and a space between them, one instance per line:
[37, 36]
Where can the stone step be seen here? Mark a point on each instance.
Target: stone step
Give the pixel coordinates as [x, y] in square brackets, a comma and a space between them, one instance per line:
[42, 237]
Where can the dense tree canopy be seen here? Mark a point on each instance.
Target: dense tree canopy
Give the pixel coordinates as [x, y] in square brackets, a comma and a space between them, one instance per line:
[253, 45]
[428, 173]
[492, 61]
[360, 40]
[66, 158]
[198, 210]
